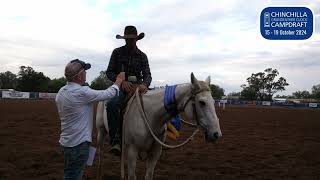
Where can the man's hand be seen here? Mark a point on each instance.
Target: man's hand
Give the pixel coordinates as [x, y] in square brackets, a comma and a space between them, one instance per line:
[127, 86]
[143, 88]
[120, 79]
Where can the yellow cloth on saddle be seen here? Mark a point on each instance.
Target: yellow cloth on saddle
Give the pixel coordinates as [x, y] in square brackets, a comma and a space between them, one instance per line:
[172, 132]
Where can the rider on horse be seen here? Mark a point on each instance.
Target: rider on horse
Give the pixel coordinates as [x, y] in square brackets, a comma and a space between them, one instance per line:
[134, 63]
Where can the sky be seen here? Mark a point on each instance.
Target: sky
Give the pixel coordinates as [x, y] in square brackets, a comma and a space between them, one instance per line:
[220, 39]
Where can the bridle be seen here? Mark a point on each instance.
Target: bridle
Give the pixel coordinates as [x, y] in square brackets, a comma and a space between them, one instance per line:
[194, 109]
[191, 98]
[171, 104]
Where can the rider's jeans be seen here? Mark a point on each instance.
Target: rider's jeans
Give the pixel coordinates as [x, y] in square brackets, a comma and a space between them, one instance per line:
[114, 107]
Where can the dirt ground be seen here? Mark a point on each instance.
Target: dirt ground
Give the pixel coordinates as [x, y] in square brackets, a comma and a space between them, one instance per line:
[257, 143]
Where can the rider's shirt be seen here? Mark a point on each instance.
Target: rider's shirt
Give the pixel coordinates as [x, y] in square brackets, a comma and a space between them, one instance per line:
[135, 64]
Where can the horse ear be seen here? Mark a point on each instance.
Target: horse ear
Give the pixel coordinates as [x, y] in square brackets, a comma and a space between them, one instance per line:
[208, 80]
[193, 79]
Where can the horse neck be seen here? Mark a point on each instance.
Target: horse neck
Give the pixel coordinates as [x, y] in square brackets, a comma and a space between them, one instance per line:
[183, 93]
[158, 112]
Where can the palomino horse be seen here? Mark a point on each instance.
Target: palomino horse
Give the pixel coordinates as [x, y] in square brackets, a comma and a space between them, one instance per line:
[145, 121]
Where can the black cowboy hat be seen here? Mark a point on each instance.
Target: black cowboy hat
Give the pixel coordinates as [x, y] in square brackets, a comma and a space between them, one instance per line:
[130, 32]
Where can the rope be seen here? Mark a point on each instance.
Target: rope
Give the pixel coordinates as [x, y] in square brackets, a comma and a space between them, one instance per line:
[123, 135]
[157, 139]
[189, 123]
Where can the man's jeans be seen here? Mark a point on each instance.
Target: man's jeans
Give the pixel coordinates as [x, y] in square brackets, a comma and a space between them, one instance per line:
[114, 107]
[75, 159]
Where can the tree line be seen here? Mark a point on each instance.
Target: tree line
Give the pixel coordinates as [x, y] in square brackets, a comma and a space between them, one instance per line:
[29, 80]
[261, 85]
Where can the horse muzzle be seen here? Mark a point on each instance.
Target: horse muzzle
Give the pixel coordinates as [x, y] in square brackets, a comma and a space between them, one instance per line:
[212, 136]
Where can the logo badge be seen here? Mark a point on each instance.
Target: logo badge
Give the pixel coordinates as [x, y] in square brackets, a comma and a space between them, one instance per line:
[286, 23]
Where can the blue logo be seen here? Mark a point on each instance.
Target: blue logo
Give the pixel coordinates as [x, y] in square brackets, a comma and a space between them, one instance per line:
[286, 23]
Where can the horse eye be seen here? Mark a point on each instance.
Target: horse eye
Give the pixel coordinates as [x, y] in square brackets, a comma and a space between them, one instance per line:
[202, 103]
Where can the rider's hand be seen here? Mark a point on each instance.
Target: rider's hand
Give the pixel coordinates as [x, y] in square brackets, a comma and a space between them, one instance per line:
[143, 88]
[127, 86]
[120, 78]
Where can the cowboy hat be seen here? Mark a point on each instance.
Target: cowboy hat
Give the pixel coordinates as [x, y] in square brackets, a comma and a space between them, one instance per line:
[130, 32]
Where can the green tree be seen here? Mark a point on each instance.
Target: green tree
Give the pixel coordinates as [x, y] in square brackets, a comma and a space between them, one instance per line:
[56, 84]
[101, 82]
[235, 94]
[31, 81]
[283, 96]
[8, 80]
[216, 91]
[264, 85]
[316, 91]
[301, 94]
[248, 93]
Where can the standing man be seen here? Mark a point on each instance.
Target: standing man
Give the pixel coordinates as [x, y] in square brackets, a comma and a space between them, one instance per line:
[75, 107]
[134, 63]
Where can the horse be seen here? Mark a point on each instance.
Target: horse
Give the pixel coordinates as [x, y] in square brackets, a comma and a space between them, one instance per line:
[145, 118]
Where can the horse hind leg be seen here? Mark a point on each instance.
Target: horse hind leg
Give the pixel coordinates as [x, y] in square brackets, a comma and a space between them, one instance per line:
[151, 162]
[101, 137]
[100, 141]
[100, 162]
[102, 127]
[131, 162]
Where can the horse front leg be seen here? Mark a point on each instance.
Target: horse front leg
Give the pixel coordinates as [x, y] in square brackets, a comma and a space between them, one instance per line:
[152, 160]
[131, 161]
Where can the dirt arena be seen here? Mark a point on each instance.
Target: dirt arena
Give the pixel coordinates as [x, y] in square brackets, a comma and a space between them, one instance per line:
[257, 143]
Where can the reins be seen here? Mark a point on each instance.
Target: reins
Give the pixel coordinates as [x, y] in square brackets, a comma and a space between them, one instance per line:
[192, 97]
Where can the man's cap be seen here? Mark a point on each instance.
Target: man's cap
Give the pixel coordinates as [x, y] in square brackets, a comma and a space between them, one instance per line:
[84, 65]
[74, 67]
[130, 32]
